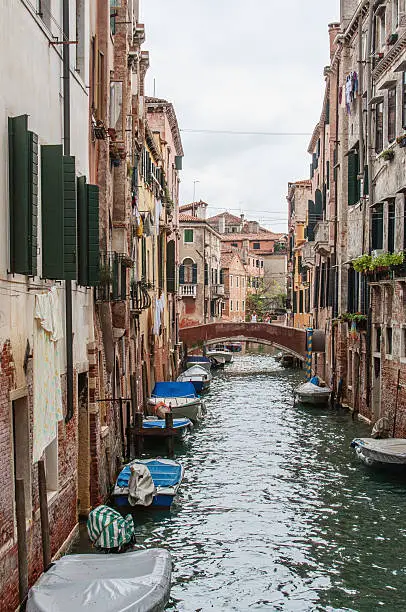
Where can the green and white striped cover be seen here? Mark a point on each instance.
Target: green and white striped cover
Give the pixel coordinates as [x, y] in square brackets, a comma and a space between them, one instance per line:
[108, 529]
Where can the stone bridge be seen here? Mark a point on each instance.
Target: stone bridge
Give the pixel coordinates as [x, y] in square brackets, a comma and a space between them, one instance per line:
[289, 339]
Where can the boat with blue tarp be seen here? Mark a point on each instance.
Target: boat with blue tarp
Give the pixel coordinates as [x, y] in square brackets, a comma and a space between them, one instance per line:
[179, 398]
[200, 360]
[166, 475]
[181, 426]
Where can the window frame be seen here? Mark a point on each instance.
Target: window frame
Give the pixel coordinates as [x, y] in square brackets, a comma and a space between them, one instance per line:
[379, 120]
[391, 118]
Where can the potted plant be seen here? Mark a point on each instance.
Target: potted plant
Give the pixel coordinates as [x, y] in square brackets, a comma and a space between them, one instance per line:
[388, 154]
[401, 140]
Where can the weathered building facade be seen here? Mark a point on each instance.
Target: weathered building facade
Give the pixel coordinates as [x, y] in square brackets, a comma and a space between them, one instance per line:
[234, 278]
[356, 246]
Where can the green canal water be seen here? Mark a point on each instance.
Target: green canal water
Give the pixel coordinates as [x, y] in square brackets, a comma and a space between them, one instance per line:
[275, 512]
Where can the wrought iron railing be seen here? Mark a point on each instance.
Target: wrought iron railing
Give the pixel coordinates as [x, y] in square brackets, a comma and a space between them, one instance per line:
[139, 297]
[113, 277]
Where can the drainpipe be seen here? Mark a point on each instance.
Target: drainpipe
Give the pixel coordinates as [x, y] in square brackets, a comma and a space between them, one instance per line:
[66, 150]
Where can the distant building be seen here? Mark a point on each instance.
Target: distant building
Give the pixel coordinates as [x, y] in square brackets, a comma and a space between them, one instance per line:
[233, 275]
[200, 286]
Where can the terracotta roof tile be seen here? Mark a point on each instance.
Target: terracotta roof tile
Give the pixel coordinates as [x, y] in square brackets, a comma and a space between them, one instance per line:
[183, 217]
[229, 218]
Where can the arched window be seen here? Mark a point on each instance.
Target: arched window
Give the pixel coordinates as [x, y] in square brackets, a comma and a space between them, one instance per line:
[188, 272]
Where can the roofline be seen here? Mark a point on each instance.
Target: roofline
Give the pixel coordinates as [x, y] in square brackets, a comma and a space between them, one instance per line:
[155, 103]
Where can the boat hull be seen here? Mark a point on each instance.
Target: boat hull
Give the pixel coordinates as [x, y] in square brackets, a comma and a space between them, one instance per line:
[313, 400]
[159, 501]
[391, 451]
[227, 356]
[203, 364]
[189, 410]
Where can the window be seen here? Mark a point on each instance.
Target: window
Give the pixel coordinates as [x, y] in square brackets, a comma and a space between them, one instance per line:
[237, 306]
[377, 227]
[388, 347]
[188, 272]
[234, 244]
[378, 334]
[391, 226]
[262, 264]
[353, 181]
[243, 306]
[256, 245]
[379, 127]
[44, 11]
[257, 263]
[231, 280]
[237, 280]
[80, 37]
[395, 14]
[231, 305]
[404, 101]
[403, 342]
[392, 114]
[243, 282]
[188, 236]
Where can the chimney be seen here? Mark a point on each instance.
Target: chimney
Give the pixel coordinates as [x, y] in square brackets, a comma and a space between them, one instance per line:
[253, 227]
[222, 224]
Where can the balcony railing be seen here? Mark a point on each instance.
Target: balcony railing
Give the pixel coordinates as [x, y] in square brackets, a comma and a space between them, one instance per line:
[218, 290]
[113, 277]
[188, 290]
[139, 297]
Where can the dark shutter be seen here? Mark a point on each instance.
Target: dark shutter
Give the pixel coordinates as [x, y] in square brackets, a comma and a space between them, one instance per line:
[316, 287]
[222, 276]
[52, 188]
[23, 194]
[350, 289]
[206, 274]
[178, 162]
[83, 232]
[181, 274]
[93, 234]
[353, 182]
[194, 274]
[301, 301]
[170, 267]
[377, 227]
[391, 226]
[335, 165]
[143, 258]
[366, 181]
[328, 175]
[294, 302]
[69, 229]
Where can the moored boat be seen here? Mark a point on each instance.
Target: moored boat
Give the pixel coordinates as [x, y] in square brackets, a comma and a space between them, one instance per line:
[220, 352]
[389, 451]
[136, 581]
[309, 393]
[198, 376]
[200, 360]
[180, 398]
[234, 347]
[181, 426]
[166, 475]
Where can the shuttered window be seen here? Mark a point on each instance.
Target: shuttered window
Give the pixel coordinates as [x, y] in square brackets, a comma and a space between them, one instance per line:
[392, 114]
[188, 235]
[377, 227]
[206, 274]
[170, 267]
[379, 127]
[23, 194]
[391, 226]
[58, 200]
[88, 233]
[353, 181]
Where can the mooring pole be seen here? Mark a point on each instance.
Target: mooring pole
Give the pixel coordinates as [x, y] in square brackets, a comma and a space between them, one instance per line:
[169, 425]
[309, 351]
[43, 506]
[21, 540]
[139, 439]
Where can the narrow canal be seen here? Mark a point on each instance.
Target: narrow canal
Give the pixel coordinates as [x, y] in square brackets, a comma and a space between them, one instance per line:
[275, 512]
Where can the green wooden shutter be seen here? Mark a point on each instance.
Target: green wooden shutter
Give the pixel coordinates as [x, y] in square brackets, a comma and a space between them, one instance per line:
[170, 267]
[52, 191]
[194, 273]
[181, 274]
[353, 182]
[69, 219]
[178, 162]
[93, 234]
[366, 181]
[23, 194]
[83, 232]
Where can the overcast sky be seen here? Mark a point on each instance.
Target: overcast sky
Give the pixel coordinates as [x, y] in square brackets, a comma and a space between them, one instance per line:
[253, 66]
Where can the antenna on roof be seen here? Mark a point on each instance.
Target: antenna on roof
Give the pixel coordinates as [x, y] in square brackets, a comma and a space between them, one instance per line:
[154, 87]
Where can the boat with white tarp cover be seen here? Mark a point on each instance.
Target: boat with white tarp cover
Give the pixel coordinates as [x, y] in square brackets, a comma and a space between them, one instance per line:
[372, 451]
[138, 581]
[309, 393]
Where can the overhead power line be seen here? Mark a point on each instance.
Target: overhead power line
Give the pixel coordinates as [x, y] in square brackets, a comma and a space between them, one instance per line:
[240, 133]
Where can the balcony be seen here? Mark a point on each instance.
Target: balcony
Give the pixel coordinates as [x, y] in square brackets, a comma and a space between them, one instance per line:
[217, 290]
[321, 237]
[112, 285]
[139, 297]
[188, 291]
[308, 254]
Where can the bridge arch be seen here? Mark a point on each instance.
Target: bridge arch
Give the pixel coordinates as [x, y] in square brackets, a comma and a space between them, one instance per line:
[289, 339]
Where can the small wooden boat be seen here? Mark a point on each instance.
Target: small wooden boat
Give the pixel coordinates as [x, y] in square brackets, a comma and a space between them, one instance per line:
[166, 474]
[136, 581]
[234, 347]
[309, 393]
[287, 361]
[180, 398]
[388, 451]
[181, 426]
[198, 376]
[200, 360]
[220, 352]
